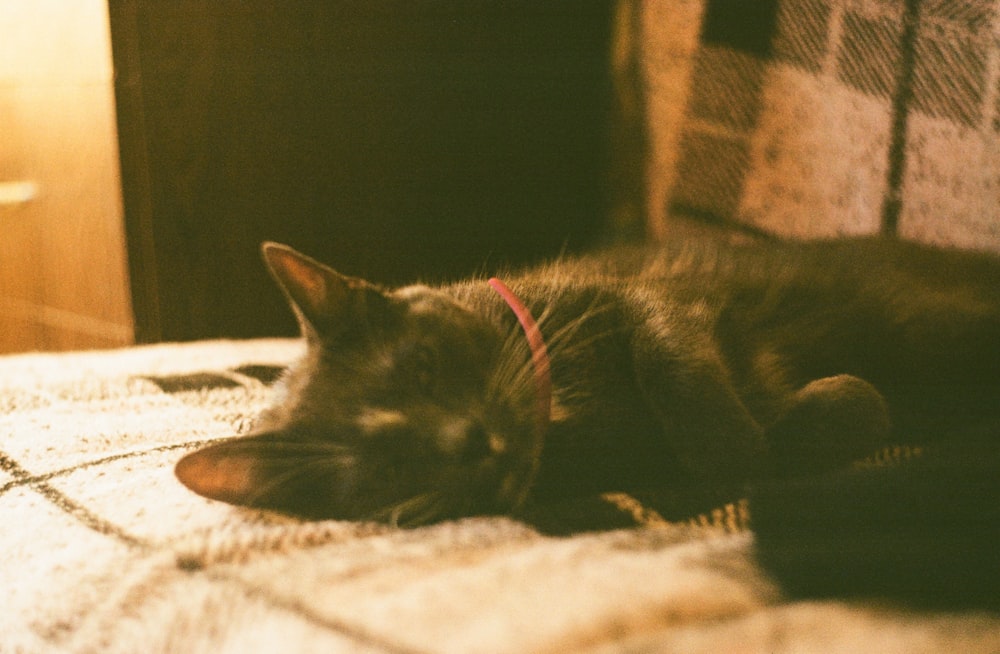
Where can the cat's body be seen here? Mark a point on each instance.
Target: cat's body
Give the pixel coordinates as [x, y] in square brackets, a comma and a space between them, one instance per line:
[694, 365]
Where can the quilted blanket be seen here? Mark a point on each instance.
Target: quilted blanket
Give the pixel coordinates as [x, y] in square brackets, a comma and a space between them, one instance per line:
[104, 551]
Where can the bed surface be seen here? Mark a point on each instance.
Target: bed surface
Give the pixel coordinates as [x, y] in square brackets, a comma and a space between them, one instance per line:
[105, 551]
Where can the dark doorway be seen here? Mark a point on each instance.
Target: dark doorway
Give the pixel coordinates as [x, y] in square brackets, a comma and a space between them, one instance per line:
[394, 139]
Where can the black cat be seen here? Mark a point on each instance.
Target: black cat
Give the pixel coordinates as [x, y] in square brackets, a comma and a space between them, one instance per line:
[697, 366]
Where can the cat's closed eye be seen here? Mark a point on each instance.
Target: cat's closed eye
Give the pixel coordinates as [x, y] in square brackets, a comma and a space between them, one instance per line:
[417, 367]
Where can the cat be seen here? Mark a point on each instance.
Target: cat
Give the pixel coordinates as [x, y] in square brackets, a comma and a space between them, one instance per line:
[692, 366]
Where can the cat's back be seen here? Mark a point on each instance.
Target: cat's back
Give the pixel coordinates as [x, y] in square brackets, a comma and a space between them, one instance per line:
[768, 282]
[821, 262]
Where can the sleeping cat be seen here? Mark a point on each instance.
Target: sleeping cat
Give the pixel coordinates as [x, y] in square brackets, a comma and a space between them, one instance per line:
[690, 367]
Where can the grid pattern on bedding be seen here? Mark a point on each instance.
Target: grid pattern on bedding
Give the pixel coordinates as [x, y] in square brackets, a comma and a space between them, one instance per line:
[827, 117]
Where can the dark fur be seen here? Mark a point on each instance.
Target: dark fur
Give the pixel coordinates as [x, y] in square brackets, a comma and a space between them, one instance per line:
[694, 366]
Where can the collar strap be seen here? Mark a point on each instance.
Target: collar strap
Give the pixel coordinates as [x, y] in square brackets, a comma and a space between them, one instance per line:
[539, 353]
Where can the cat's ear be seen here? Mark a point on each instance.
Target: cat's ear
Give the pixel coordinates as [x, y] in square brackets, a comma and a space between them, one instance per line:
[319, 294]
[229, 471]
[284, 470]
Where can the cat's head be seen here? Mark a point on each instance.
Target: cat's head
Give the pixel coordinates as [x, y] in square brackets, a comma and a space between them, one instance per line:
[408, 406]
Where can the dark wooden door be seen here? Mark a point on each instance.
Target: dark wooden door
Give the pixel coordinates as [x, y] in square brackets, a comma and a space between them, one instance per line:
[394, 139]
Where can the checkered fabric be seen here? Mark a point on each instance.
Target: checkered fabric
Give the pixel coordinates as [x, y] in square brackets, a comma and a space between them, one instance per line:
[104, 550]
[817, 118]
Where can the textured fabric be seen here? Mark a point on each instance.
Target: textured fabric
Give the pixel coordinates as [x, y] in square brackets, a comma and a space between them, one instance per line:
[822, 117]
[104, 551]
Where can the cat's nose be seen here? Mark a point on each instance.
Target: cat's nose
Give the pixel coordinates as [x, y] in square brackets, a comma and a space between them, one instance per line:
[476, 443]
[481, 443]
[471, 441]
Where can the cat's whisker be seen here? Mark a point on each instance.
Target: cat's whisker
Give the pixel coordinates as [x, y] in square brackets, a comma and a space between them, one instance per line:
[514, 369]
[430, 510]
[514, 376]
[572, 347]
[564, 334]
[411, 511]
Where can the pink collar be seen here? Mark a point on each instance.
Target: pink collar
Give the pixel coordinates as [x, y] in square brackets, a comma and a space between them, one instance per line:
[539, 354]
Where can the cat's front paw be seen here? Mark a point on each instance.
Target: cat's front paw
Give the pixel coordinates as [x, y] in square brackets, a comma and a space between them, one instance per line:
[829, 423]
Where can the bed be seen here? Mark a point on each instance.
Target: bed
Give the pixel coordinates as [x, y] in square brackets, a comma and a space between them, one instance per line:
[106, 552]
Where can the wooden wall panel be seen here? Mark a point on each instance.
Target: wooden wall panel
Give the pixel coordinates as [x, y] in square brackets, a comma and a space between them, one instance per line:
[63, 282]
